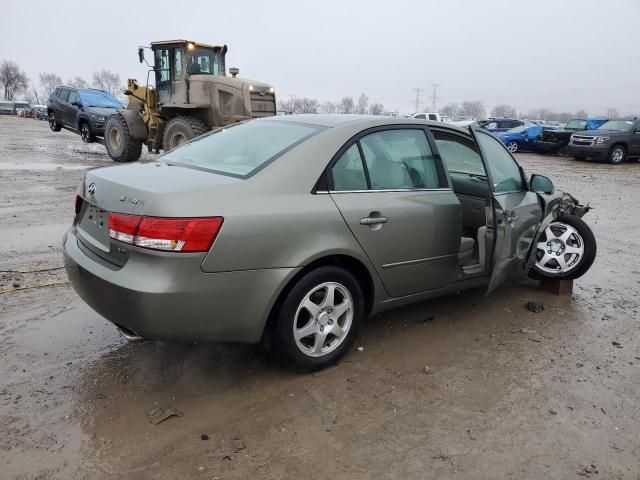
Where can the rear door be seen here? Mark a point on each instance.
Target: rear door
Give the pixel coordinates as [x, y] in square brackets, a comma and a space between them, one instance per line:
[393, 193]
[516, 211]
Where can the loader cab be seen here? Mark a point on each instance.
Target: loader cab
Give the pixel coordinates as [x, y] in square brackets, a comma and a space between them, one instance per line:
[175, 61]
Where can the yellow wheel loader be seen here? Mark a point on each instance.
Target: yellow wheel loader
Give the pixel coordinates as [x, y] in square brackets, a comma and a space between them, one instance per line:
[192, 95]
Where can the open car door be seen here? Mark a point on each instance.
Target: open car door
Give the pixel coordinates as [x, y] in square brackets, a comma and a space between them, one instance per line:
[516, 212]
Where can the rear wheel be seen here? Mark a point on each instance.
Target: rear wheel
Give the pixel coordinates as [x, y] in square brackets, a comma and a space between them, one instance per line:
[121, 146]
[53, 123]
[319, 318]
[180, 130]
[566, 249]
[617, 154]
[512, 146]
[85, 133]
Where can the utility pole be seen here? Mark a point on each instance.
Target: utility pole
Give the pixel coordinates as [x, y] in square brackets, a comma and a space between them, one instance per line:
[418, 92]
[434, 96]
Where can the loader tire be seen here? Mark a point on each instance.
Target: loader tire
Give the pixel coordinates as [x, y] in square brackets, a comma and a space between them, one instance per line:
[121, 146]
[180, 130]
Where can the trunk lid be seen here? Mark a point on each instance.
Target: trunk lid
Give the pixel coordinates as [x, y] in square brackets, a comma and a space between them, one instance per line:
[153, 189]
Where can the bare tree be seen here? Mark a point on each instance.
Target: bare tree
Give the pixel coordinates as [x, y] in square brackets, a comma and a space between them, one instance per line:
[49, 82]
[107, 81]
[376, 109]
[504, 111]
[346, 105]
[307, 105]
[473, 109]
[13, 79]
[581, 114]
[612, 114]
[330, 107]
[363, 103]
[78, 82]
[450, 110]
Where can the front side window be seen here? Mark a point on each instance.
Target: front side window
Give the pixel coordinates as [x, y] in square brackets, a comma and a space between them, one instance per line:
[162, 64]
[73, 97]
[459, 157]
[64, 94]
[433, 116]
[420, 116]
[504, 171]
[348, 172]
[400, 159]
[241, 150]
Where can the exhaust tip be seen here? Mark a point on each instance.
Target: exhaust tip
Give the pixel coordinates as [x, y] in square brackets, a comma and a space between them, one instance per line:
[130, 335]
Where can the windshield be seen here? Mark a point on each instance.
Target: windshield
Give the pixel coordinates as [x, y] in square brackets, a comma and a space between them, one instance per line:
[203, 61]
[98, 99]
[519, 129]
[617, 125]
[576, 125]
[243, 149]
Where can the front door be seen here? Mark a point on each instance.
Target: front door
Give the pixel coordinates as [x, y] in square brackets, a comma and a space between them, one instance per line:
[162, 68]
[394, 196]
[516, 211]
[634, 143]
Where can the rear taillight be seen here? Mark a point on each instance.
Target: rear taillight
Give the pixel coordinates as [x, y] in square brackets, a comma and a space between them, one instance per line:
[78, 204]
[166, 234]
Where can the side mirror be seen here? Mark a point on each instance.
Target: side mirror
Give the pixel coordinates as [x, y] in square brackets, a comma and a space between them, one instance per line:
[141, 54]
[541, 184]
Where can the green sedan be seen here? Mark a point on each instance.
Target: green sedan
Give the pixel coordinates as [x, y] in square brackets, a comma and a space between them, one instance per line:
[295, 229]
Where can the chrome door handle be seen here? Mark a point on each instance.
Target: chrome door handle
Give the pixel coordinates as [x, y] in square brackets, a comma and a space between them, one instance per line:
[373, 220]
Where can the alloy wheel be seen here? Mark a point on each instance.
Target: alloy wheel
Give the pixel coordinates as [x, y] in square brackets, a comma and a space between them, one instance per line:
[323, 319]
[560, 249]
[85, 133]
[512, 147]
[617, 155]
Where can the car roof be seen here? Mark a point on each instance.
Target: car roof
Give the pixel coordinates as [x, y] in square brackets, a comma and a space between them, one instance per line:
[355, 120]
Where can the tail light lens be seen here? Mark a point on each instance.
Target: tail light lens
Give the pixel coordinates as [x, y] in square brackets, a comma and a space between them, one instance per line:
[165, 234]
[78, 204]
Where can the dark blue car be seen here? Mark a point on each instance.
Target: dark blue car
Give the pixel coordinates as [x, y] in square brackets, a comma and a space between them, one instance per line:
[523, 138]
[495, 125]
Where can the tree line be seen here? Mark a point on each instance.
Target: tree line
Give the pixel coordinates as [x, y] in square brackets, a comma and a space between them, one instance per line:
[344, 105]
[15, 82]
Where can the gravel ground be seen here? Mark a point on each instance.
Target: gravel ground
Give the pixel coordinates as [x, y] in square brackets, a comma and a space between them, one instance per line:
[450, 388]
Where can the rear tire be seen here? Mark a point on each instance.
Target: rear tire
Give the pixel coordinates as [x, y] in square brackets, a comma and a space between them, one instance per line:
[180, 130]
[617, 154]
[313, 328]
[53, 123]
[565, 257]
[121, 146]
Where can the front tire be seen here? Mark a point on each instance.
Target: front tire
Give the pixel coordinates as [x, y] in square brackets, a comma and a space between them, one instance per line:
[617, 154]
[121, 146]
[180, 130]
[53, 123]
[566, 249]
[85, 133]
[512, 146]
[319, 318]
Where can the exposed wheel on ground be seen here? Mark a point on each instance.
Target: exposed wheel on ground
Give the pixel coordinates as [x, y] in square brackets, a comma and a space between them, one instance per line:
[579, 158]
[53, 123]
[85, 132]
[566, 249]
[180, 130]
[319, 318]
[512, 146]
[617, 154]
[117, 138]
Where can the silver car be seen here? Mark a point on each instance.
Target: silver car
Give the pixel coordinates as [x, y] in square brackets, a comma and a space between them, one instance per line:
[295, 229]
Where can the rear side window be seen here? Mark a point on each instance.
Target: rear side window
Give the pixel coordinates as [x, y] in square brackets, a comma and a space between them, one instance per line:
[243, 149]
[399, 159]
[420, 116]
[459, 157]
[348, 171]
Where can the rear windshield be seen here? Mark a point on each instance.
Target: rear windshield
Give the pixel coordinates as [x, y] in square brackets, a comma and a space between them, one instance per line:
[242, 149]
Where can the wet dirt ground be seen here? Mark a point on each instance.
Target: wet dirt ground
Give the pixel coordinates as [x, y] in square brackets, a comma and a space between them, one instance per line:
[450, 388]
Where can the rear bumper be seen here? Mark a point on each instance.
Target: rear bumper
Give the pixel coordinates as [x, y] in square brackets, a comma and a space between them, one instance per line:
[170, 298]
[599, 152]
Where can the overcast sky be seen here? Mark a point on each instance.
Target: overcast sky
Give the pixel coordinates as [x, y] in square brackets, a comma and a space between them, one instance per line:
[564, 55]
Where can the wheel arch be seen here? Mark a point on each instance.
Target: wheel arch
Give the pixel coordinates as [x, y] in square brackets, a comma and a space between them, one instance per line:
[350, 263]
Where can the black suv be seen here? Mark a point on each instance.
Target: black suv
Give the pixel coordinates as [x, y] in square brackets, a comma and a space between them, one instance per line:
[84, 111]
[614, 141]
